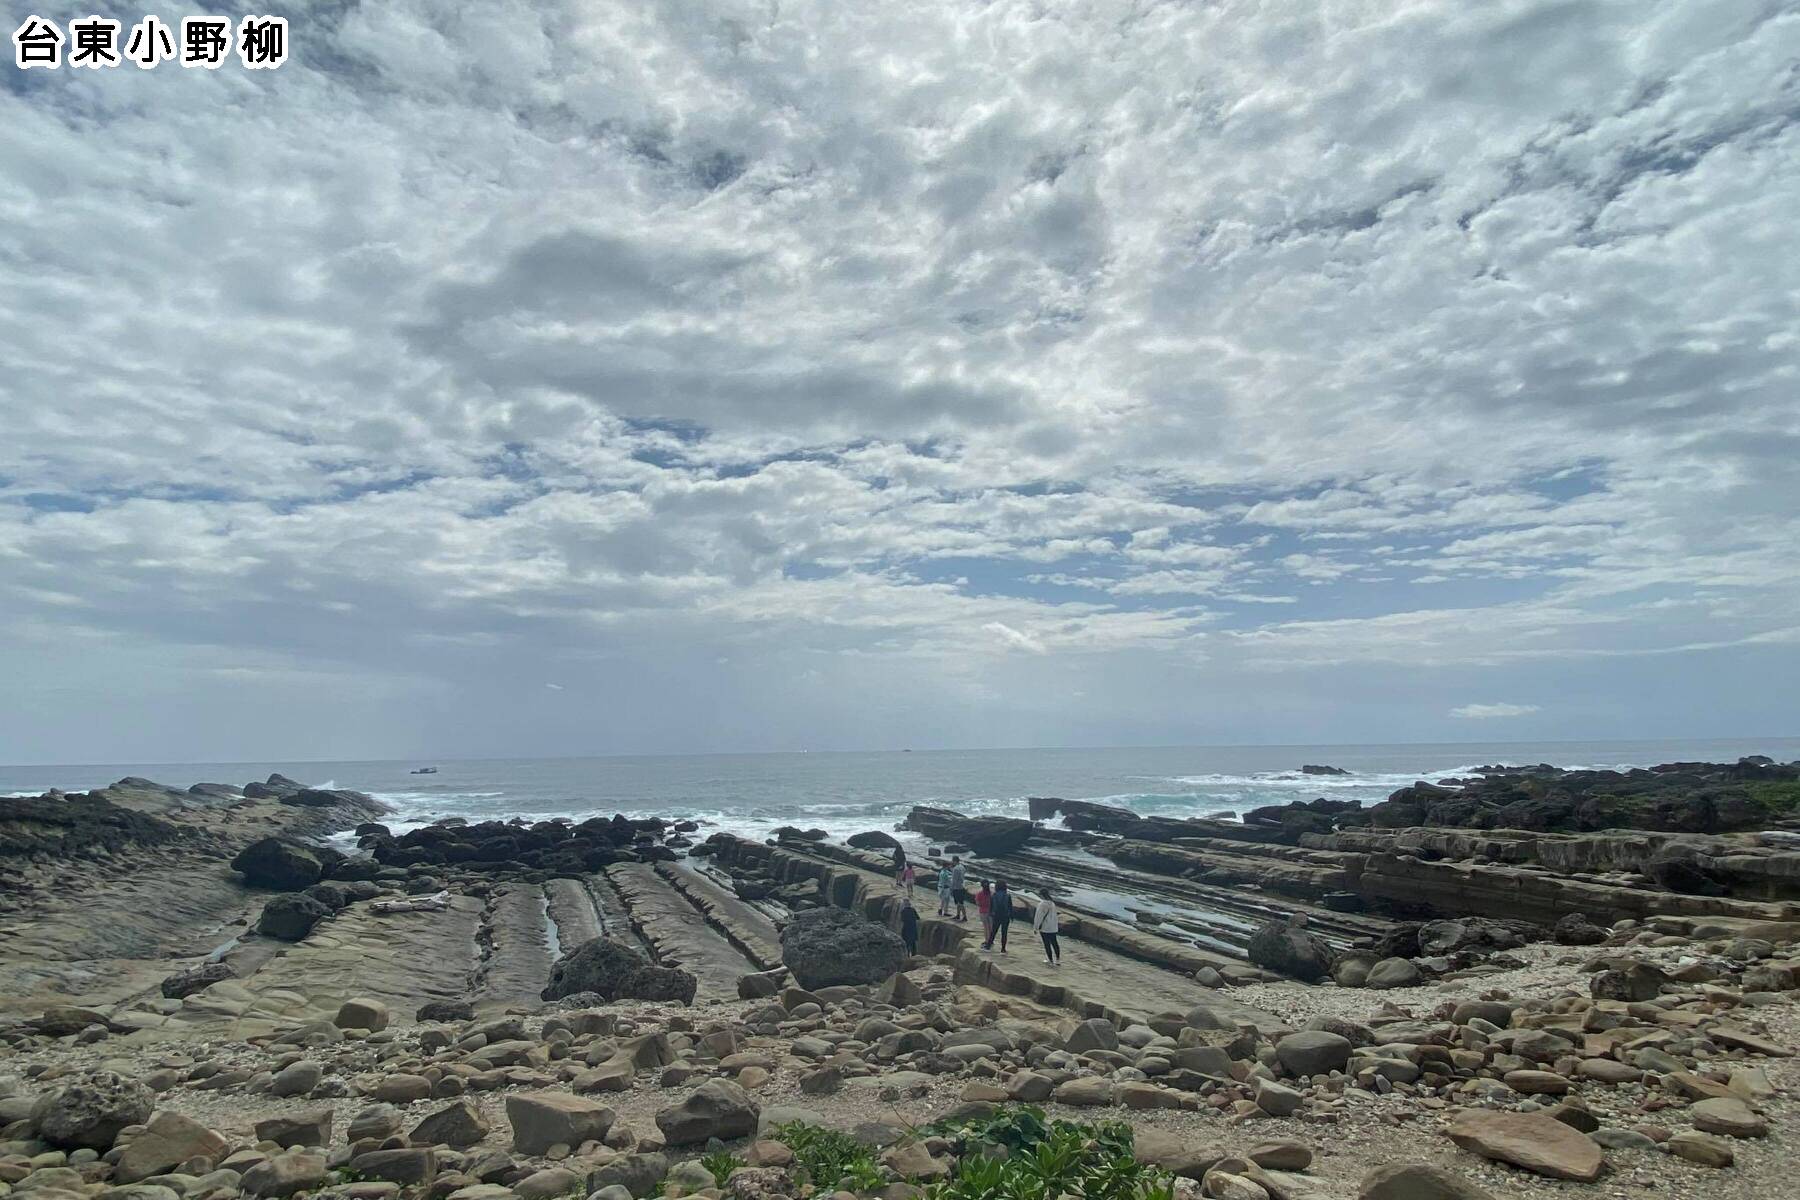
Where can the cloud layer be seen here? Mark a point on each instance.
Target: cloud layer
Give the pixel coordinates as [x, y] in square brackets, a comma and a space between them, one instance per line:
[840, 375]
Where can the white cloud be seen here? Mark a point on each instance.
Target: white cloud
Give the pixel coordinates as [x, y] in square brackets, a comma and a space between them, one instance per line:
[729, 338]
[1488, 712]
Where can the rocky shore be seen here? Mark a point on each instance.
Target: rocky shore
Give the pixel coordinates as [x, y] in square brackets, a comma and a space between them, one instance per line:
[1528, 981]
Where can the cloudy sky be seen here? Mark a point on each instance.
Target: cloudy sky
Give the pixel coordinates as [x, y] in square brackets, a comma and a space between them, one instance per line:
[529, 378]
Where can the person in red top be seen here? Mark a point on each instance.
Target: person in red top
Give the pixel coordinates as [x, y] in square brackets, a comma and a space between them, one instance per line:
[984, 904]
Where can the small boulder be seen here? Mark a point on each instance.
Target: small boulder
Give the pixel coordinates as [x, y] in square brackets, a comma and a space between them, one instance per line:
[168, 1141]
[1313, 1052]
[290, 918]
[1418, 1181]
[362, 1013]
[718, 1108]
[1291, 951]
[91, 1113]
[617, 972]
[459, 1126]
[541, 1120]
[1534, 1141]
[277, 865]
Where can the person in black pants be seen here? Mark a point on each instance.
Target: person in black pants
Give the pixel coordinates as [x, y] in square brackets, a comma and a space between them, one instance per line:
[1003, 914]
[1044, 920]
[909, 927]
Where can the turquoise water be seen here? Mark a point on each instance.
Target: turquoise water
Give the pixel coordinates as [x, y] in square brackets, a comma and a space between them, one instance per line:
[846, 792]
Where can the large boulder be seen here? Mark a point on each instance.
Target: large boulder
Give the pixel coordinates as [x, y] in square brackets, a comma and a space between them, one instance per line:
[872, 839]
[91, 1113]
[195, 979]
[617, 972]
[1291, 951]
[168, 1141]
[1313, 1052]
[829, 947]
[718, 1108]
[541, 1120]
[290, 918]
[278, 865]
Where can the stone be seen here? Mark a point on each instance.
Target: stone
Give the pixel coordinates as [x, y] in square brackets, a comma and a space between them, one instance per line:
[1276, 1099]
[718, 1108]
[377, 1122]
[1089, 1091]
[289, 918]
[196, 979]
[1632, 982]
[277, 865]
[1291, 951]
[297, 1129]
[415, 1165]
[91, 1113]
[1180, 1155]
[829, 947]
[911, 1160]
[1281, 1156]
[1727, 1115]
[638, 1174]
[552, 1181]
[445, 1010]
[1417, 1181]
[1394, 973]
[402, 1089]
[169, 1140]
[1536, 1083]
[284, 1174]
[613, 1075]
[1534, 1141]
[617, 972]
[1701, 1148]
[458, 1125]
[362, 1013]
[541, 1120]
[296, 1079]
[1223, 1185]
[1097, 1033]
[1313, 1052]
[1574, 929]
[758, 985]
[1622, 1139]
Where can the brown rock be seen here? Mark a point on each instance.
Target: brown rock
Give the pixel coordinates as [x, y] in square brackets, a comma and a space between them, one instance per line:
[1536, 1142]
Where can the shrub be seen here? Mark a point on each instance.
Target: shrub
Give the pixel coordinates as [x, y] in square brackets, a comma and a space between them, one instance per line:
[830, 1158]
[720, 1164]
[1044, 1161]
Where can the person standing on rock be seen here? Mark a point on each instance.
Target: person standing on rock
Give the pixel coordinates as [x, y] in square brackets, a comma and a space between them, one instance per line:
[899, 866]
[959, 892]
[943, 891]
[907, 876]
[1043, 919]
[1001, 909]
[984, 904]
[909, 926]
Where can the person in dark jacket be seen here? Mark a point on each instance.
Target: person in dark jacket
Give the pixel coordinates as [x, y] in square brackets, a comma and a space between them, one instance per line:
[1002, 914]
[909, 926]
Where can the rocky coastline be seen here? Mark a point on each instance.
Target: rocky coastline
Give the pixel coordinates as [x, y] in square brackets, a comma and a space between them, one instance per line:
[1524, 981]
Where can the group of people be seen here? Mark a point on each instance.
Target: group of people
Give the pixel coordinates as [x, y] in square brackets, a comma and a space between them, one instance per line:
[993, 903]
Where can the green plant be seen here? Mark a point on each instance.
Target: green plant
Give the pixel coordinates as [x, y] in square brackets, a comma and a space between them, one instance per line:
[831, 1158]
[1775, 796]
[1045, 1161]
[720, 1164]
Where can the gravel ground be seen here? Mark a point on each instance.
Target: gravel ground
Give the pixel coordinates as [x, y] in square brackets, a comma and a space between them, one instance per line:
[1369, 1130]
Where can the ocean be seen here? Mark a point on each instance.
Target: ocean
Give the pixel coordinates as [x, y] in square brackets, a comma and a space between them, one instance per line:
[843, 793]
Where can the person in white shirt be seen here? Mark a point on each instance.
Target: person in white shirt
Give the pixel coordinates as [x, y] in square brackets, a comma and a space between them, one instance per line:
[1043, 919]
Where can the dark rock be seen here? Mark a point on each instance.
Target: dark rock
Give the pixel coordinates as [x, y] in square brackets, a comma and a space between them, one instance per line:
[872, 839]
[290, 918]
[989, 837]
[1291, 951]
[195, 979]
[1576, 930]
[717, 1109]
[278, 865]
[445, 1010]
[617, 972]
[828, 947]
[90, 1114]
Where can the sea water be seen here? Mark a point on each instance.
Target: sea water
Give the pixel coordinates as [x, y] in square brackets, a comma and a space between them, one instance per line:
[843, 793]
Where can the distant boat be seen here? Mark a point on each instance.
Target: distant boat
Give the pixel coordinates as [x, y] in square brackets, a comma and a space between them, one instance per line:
[424, 771]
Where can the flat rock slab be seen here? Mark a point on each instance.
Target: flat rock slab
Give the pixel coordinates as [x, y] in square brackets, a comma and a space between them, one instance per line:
[573, 910]
[745, 927]
[517, 964]
[678, 932]
[1538, 1143]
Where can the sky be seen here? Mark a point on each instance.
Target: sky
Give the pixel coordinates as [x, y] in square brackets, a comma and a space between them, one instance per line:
[545, 378]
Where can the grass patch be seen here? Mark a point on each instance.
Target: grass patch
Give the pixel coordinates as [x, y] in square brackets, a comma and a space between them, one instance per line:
[1043, 1160]
[831, 1159]
[720, 1164]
